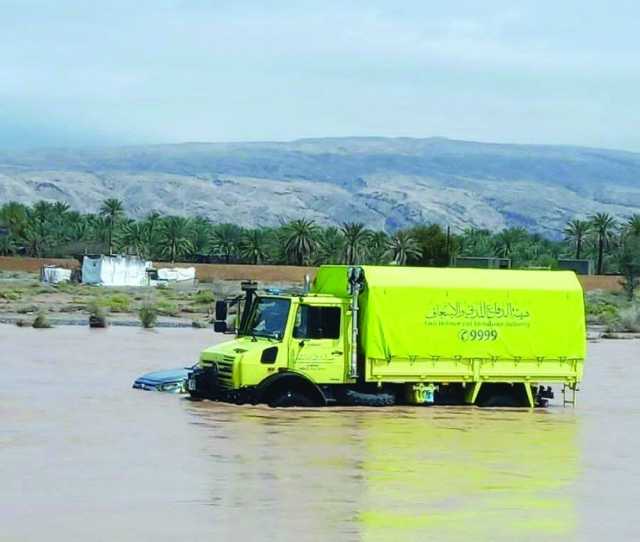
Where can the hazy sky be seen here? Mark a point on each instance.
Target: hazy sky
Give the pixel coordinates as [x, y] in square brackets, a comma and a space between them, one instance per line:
[154, 71]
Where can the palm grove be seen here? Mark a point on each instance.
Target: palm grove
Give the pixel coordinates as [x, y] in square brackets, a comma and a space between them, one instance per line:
[54, 230]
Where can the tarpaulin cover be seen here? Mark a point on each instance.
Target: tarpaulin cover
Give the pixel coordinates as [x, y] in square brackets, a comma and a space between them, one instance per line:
[114, 271]
[177, 274]
[55, 275]
[468, 313]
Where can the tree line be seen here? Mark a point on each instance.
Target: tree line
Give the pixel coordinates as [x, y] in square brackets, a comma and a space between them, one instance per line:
[48, 229]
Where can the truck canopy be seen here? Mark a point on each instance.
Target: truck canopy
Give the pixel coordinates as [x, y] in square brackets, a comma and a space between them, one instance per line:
[473, 314]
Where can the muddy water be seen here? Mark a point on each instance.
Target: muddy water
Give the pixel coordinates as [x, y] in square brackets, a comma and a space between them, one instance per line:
[84, 457]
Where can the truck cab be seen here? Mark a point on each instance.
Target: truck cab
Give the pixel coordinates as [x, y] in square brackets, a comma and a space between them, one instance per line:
[291, 349]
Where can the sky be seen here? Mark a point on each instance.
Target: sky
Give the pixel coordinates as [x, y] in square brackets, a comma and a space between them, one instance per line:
[78, 73]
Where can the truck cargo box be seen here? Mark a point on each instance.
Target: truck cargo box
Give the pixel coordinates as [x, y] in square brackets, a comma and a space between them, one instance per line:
[439, 321]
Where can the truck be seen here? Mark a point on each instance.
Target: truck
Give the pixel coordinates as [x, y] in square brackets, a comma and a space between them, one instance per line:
[378, 336]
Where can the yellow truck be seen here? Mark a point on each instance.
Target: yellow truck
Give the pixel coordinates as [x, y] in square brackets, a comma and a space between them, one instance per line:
[379, 336]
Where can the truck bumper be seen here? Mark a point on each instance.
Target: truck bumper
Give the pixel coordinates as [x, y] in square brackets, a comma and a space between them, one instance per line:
[202, 383]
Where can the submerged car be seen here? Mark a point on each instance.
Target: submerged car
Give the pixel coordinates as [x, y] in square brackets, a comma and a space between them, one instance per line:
[172, 380]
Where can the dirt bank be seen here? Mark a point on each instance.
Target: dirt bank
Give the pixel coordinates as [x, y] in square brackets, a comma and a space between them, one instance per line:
[263, 273]
[204, 272]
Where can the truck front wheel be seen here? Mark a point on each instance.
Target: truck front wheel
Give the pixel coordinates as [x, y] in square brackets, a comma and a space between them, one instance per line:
[291, 398]
[357, 398]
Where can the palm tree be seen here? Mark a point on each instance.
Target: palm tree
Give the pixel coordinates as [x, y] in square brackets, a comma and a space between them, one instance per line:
[603, 225]
[330, 247]
[174, 237]
[98, 230]
[79, 228]
[356, 237]
[401, 246]
[376, 249]
[200, 236]
[300, 239]
[225, 240]
[42, 211]
[13, 214]
[152, 223]
[35, 238]
[253, 246]
[575, 232]
[112, 210]
[506, 240]
[476, 242]
[60, 208]
[8, 246]
[633, 225]
[135, 237]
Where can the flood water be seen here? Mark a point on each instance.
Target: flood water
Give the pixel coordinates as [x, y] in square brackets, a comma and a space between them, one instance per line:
[85, 457]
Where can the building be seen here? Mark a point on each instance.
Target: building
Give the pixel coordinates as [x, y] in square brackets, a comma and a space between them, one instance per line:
[581, 267]
[482, 262]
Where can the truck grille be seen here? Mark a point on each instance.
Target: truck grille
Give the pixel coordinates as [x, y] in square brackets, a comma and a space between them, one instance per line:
[225, 372]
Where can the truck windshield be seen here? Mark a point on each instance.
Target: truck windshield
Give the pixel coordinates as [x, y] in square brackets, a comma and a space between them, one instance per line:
[268, 318]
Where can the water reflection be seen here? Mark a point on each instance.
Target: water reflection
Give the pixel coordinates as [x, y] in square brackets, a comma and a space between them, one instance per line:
[451, 474]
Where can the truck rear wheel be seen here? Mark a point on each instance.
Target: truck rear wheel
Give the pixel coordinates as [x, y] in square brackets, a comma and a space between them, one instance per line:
[356, 398]
[502, 401]
[502, 395]
[290, 398]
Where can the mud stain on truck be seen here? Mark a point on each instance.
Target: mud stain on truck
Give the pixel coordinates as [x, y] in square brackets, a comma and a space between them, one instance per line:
[83, 456]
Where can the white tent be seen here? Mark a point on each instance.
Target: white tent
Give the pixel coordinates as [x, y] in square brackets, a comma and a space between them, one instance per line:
[177, 274]
[115, 270]
[54, 275]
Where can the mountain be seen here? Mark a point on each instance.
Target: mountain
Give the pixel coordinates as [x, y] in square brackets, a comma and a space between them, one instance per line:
[385, 182]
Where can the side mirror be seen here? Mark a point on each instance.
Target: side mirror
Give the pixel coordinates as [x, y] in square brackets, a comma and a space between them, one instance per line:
[220, 326]
[221, 310]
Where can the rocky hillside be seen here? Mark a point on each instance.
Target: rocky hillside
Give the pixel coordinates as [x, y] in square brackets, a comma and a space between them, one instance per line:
[385, 182]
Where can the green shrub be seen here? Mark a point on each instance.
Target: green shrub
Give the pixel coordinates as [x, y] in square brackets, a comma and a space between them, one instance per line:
[602, 308]
[201, 309]
[148, 316]
[41, 321]
[629, 318]
[97, 314]
[26, 309]
[10, 295]
[167, 308]
[203, 297]
[66, 287]
[116, 302]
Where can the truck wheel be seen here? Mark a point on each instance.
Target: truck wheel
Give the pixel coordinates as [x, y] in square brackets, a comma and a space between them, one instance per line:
[500, 401]
[502, 395]
[290, 398]
[356, 398]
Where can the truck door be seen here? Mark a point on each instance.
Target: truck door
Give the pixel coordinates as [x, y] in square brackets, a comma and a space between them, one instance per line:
[317, 344]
